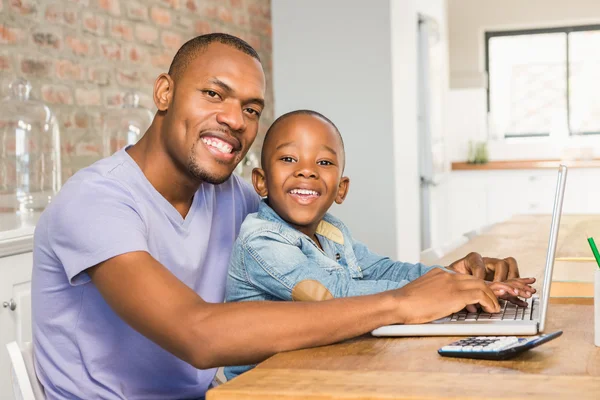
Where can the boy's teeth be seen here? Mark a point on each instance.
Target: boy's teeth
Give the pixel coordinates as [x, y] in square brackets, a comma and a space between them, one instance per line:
[222, 147]
[304, 191]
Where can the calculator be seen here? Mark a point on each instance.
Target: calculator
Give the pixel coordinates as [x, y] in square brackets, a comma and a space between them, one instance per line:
[494, 347]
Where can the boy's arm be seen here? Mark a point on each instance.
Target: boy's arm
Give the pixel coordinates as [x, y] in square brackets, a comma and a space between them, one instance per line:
[277, 267]
[376, 267]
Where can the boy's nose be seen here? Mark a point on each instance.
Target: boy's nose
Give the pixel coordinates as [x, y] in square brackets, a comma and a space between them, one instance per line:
[306, 173]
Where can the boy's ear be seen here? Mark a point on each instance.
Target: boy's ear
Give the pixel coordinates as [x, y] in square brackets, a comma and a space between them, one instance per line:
[342, 190]
[259, 181]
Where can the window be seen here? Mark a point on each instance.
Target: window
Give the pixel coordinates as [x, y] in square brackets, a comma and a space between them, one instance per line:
[544, 82]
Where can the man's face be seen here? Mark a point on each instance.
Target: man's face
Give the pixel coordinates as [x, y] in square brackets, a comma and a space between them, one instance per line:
[213, 117]
[303, 168]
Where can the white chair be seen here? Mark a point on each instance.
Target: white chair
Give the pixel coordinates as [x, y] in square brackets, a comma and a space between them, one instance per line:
[26, 385]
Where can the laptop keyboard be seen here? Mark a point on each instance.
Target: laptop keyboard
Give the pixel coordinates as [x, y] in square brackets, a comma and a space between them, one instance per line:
[509, 311]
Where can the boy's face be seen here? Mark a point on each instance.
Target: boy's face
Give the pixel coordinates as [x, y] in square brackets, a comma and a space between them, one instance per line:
[302, 171]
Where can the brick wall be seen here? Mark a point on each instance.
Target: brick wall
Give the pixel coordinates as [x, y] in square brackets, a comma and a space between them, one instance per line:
[81, 56]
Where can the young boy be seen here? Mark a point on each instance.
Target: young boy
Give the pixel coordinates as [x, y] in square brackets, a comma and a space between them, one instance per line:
[292, 249]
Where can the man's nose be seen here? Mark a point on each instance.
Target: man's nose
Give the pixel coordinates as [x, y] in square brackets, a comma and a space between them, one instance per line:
[232, 115]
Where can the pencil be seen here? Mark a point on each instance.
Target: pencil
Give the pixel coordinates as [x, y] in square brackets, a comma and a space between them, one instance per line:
[594, 250]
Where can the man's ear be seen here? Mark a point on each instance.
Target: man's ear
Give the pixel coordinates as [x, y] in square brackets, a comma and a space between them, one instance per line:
[342, 190]
[259, 181]
[163, 91]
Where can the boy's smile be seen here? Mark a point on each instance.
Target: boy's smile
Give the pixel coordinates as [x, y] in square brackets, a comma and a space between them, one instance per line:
[303, 162]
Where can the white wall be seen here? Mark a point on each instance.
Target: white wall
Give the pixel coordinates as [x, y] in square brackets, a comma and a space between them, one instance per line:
[356, 62]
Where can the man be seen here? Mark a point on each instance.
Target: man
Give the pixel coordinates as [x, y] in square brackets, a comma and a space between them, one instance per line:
[130, 259]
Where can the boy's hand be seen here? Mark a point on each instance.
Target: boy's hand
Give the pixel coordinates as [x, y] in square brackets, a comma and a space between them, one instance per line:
[510, 289]
[489, 269]
[438, 294]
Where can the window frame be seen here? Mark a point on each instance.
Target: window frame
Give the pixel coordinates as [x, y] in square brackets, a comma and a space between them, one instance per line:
[519, 32]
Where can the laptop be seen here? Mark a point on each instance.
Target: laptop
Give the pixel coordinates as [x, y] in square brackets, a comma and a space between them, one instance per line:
[512, 319]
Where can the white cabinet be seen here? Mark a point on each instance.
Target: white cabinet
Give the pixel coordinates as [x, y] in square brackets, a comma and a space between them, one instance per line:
[15, 310]
[474, 199]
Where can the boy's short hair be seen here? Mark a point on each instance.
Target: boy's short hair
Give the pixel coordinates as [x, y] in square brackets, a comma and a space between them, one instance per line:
[287, 115]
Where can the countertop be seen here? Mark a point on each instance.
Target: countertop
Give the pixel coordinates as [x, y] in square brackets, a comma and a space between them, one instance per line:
[16, 236]
[525, 164]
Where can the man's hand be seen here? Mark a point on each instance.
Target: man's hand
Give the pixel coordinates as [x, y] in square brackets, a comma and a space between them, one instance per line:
[489, 269]
[438, 294]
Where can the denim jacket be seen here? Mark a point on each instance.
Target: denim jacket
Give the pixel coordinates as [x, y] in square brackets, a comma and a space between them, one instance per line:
[271, 260]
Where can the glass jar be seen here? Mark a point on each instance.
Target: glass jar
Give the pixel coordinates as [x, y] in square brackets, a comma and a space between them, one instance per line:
[30, 164]
[126, 125]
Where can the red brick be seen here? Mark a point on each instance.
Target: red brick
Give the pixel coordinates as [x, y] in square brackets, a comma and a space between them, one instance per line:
[54, 13]
[162, 60]
[88, 97]
[94, 23]
[174, 4]
[184, 22]
[209, 11]
[10, 35]
[57, 94]
[84, 3]
[172, 41]
[202, 27]
[242, 22]
[5, 63]
[236, 4]
[70, 17]
[147, 101]
[111, 51]
[23, 7]
[160, 16]
[99, 75]
[137, 11]
[149, 76]
[79, 46]
[47, 40]
[224, 15]
[261, 26]
[128, 78]
[36, 67]
[66, 69]
[113, 7]
[146, 33]
[135, 54]
[84, 119]
[113, 98]
[121, 30]
[191, 5]
[260, 10]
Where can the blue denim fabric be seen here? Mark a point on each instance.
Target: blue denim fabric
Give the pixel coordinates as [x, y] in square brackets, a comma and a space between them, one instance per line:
[270, 257]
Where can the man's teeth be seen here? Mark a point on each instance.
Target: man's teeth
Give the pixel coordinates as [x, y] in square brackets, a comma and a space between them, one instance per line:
[304, 192]
[217, 144]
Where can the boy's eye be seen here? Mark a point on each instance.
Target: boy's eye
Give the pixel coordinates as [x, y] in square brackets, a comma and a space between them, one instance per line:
[288, 159]
[324, 162]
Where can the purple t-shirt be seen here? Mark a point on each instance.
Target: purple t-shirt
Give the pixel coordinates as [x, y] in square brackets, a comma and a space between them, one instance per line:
[82, 348]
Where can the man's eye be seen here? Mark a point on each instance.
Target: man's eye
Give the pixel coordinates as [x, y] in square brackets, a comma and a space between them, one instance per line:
[324, 162]
[211, 93]
[253, 111]
[288, 159]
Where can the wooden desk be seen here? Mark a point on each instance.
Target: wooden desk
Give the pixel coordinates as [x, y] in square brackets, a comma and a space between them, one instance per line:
[409, 368]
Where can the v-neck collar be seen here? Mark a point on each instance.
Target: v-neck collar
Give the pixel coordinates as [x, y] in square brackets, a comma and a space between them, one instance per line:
[166, 206]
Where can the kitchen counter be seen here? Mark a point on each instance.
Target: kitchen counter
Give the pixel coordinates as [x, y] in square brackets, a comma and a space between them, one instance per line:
[16, 237]
[525, 164]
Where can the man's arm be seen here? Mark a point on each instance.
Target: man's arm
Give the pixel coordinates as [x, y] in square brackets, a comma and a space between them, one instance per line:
[159, 306]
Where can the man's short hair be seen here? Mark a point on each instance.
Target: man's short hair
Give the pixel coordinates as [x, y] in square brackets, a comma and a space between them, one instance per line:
[287, 115]
[193, 47]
